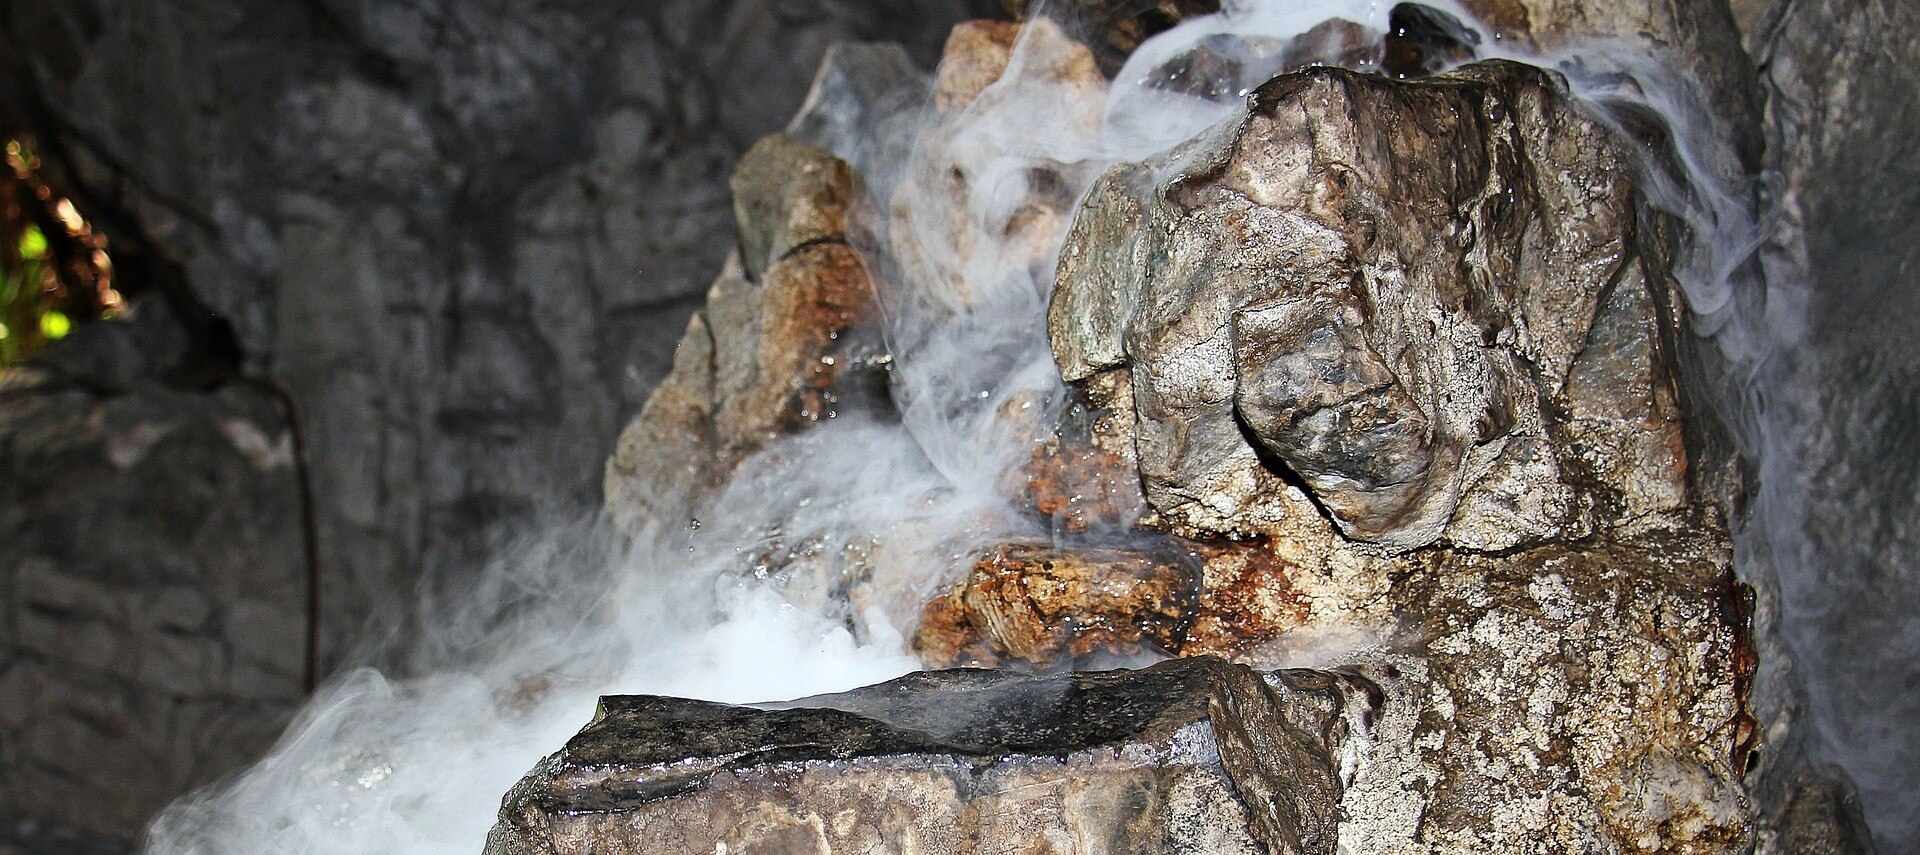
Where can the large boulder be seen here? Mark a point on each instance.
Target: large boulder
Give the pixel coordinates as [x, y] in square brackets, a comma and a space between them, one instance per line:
[1429, 302]
[1400, 361]
[1193, 756]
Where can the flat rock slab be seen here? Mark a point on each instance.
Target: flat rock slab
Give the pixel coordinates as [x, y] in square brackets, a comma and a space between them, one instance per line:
[1192, 755]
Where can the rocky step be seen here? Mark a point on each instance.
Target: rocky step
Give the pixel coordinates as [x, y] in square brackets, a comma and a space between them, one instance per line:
[1190, 755]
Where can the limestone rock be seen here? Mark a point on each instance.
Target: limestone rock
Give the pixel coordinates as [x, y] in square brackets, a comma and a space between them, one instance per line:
[1379, 287]
[1188, 756]
[760, 359]
[1575, 699]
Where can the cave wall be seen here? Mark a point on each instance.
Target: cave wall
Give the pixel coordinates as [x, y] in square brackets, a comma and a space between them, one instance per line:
[1842, 80]
[462, 237]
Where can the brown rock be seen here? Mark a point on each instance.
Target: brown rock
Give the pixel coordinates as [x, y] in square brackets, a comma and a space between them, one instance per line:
[1247, 598]
[976, 55]
[763, 357]
[1338, 42]
[1085, 476]
[1038, 606]
[1113, 28]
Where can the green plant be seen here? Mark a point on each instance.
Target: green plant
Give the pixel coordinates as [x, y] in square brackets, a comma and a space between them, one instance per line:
[54, 269]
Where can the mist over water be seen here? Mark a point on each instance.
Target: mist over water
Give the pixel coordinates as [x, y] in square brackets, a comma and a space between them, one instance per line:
[807, 570]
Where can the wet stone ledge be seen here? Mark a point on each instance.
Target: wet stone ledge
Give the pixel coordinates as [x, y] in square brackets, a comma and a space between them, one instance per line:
[1191, 755]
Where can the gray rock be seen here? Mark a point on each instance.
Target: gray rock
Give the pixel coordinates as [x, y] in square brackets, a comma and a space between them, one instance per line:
[1842, 87]
[1187, 756]
[859, 87]
[1380, 287]
[135, 527]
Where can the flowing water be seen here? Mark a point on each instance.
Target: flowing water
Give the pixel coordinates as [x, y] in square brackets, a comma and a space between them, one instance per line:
[714, 608]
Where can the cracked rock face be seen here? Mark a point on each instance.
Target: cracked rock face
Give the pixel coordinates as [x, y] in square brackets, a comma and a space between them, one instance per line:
[1192, 756]
[1423, 300]
[764, 356]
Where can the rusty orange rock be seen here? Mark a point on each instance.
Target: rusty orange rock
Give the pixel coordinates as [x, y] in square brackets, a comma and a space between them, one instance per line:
[976, 54]
[1039, 606]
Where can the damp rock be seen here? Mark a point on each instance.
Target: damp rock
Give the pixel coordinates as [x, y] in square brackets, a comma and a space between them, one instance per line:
[1422, 40]
[1083, 476]
[1038, 606]
[1432, 303]
[1187, 756]
[764, 356]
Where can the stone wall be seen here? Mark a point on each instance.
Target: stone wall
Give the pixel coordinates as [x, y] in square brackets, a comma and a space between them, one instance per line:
[1843, 101]
[463, 237]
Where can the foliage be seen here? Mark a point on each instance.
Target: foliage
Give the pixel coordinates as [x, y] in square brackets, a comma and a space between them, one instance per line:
[54, 269]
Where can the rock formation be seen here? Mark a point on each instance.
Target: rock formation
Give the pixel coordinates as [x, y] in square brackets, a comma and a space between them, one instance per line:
[464, 238]
[1384, 373]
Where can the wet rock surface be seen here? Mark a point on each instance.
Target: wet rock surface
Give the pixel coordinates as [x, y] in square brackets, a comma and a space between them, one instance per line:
[1384, 368]
[1378, 286]
[764, 356]
[1044, 606]
[1187, 756]
[1386, 373]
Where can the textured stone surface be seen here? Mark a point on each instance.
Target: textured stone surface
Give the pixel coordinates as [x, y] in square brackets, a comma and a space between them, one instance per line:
[1434, 405]
[1410, 340]
[456, 233]
[1187, 756]
[153, 592]
[1571, 700]
[762, 357]
[1699, 36]
[1044, 606]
